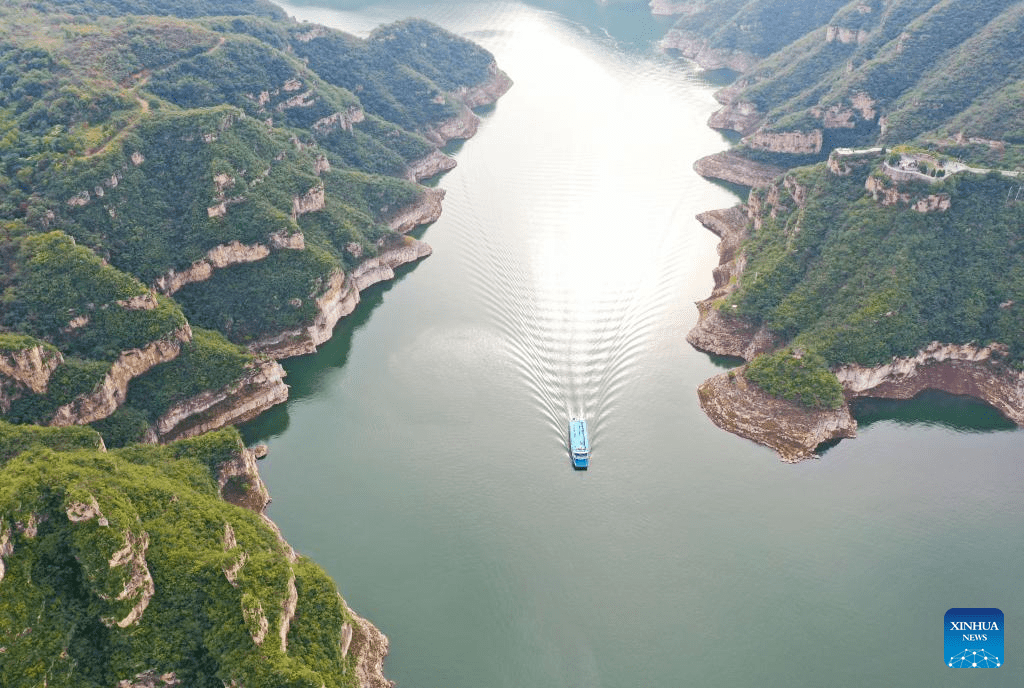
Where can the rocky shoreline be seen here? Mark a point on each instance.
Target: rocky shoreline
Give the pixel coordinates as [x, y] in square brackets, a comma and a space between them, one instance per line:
[264, 387]
[695, 47]
[735, 169]
[794, 431]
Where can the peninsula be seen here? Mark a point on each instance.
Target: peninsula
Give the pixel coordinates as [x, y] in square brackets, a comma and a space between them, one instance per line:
[877, 252]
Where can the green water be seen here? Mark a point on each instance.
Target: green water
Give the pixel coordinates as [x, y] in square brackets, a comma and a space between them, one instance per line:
[422, 457]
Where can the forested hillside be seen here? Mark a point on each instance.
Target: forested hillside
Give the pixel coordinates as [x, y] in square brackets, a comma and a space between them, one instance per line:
[189, 190]
[128, 568]
[897, 227]
[939, 73]
[159, 175]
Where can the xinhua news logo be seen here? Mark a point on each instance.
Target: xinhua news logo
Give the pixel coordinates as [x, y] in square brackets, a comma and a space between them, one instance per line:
[973, 639]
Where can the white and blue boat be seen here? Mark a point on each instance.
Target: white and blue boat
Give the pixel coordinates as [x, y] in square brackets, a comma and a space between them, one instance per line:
[579, 443]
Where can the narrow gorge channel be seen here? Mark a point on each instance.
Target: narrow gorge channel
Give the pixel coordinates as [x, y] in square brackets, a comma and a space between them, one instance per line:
[421, 458]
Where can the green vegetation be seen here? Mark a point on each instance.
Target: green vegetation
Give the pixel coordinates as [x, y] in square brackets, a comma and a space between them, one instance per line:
[209, 361]
[758, 28]
[857, 281]
[58, 619]
[139, 140]
[137, 136]
[801, 377]
[940, 73]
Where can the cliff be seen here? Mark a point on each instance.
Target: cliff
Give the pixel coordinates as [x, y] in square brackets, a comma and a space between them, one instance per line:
[424, 211]
[718, 332]
[794, 431]
[260, 389]
[24, 369]
[226, 255]
[370, 647]
[239, 482]
[736, 169]
[465, 124]
[111, 392]
[964, 369]
[697, 48]
[791, 142]
[430, 165]
[736, 115]
[339, 299]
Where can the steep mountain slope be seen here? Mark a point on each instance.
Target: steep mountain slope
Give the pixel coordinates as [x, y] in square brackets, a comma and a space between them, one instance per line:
[942, 73]
[220, 170]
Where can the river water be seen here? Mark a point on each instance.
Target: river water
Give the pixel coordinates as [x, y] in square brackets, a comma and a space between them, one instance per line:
[422, 457]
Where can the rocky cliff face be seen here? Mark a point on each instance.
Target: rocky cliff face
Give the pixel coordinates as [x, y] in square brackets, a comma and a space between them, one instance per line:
[26, 369]
[424, 211]
[111, 392]
[309, 202]
[239, 482]
[226, 255]
[429, 166]
[736, 405]
[840, 34]
[888, 194]
[696, 48]
[792, 430]
[794, 142]
[465, 124]
[736, 169]
[964, 369]
[370, 647]
[737, 115]
[716, 331]
[495, 86]
[339, 299]
[260, 389]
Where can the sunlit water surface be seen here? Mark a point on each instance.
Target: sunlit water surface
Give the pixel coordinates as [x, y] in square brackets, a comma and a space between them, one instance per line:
[422, 457]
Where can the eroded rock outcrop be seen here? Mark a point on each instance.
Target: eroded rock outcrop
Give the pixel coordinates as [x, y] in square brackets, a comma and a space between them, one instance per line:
[259, 389]
[792, 142]
[26, 369]
[888, 194]
[309, 202]
[239, 481]
[495, 86]
[794, 431]
[716, 331]
[430, 165]
[223, 256]
[138, 584]
[231, 572]
[110, 393]
[6, 546]
[696, 48]
[288, 605]
[841, 34]
[737, 115]
[964, 369]
[370, 647]
[736, 169]
[465, 124]
[151, 679]
[340, 299]
[424, 211]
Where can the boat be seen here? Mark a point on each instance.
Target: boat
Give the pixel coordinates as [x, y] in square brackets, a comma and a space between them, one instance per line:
[579, 443]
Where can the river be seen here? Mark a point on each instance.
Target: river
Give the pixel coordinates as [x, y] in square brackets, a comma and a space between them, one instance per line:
[422, 457]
